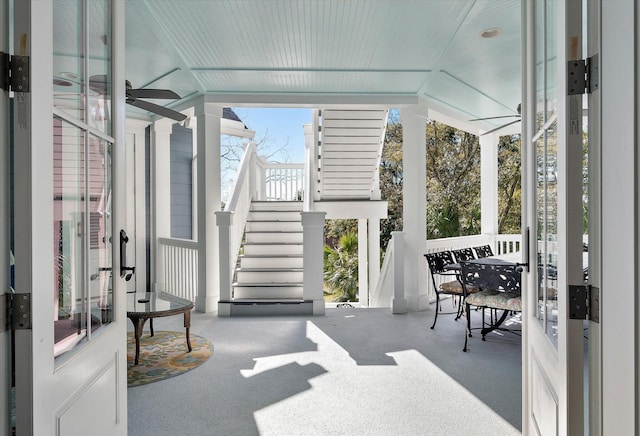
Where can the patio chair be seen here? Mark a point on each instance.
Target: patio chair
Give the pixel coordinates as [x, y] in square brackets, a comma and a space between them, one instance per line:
[463, 254]
[437, 263]
[483, 251]
[499, 289]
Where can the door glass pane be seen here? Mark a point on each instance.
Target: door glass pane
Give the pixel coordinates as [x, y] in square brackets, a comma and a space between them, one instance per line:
[547, 218]
[551, 194]
[551, 59]
[68, 222]
[100, 241]
[99, 66]
[540, 64]
[68, 80]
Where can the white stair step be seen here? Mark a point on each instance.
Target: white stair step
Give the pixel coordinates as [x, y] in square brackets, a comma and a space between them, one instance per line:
[267, 290]
[271, 261]
[276, 205]
[251, 275]
[272, 236]
[277, 226]
[277, 215]
[275, 249]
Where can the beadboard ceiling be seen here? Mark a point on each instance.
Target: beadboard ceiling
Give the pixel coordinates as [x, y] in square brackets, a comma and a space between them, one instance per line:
[380, 48]
[312, 52]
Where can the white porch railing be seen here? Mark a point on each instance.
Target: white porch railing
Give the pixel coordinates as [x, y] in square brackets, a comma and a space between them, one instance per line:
[389, 291]
[180, 267]
[280, 181]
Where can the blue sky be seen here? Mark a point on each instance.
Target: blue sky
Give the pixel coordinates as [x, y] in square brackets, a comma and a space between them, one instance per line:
[282, 126]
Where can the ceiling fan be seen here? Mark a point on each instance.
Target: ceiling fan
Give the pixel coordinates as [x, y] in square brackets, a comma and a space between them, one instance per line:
[98, 83]
[519, 116]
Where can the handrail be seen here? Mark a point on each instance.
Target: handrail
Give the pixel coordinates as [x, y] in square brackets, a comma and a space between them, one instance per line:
[231, 222]
[389, 291]
[281, 181]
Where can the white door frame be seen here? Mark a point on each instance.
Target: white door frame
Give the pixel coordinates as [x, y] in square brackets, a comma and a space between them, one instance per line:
[619, 262]
[5, 335]
[86, 393]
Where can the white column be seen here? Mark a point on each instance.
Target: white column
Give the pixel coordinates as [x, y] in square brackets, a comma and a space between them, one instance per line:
[135, 197]
[161, 198]
[209, 201]
[414, 207]
[398, 301]
[309, 170]
[223, 220]
[489, 184]
[363, 282]
[313, 259]
[374, 252]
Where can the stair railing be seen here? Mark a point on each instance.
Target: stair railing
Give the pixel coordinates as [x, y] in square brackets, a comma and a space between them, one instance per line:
[389, 291]
[232, 220]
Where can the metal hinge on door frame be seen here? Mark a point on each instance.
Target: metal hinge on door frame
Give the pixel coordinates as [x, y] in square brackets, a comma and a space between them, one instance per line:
[584, 302]
[15, 312]
[583, 76]
[14, 72]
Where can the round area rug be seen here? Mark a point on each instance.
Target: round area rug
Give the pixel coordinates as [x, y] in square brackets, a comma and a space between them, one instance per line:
[164, 355]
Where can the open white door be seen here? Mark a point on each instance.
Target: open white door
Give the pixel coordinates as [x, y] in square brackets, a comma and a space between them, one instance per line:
[553, 348]
[69, 137]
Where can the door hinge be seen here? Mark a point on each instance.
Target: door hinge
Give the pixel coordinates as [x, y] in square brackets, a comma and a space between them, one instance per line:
[583, 76]
[14, 72]
[16, 311]
[584, 302]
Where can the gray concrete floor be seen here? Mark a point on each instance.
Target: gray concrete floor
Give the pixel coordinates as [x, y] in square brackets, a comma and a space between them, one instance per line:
[353, 371]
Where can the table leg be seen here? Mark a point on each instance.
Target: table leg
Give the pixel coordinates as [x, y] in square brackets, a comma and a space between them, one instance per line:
[138, 325]
[151, 327]
[187, 325]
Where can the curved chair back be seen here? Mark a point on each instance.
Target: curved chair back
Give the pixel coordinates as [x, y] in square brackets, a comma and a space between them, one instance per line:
[463, 254]
[483, 251]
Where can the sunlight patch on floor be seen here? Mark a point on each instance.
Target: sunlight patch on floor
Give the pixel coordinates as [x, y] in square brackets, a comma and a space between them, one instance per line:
[409, 398]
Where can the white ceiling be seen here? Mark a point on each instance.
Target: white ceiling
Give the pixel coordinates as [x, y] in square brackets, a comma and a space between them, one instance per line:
[277, 49]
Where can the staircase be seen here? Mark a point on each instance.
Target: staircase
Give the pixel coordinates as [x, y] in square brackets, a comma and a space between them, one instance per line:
[269, 276]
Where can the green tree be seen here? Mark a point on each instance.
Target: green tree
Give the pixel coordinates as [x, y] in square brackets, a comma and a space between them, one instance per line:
[391, 172]
[453, 182]
[341, 268]
[509, 184]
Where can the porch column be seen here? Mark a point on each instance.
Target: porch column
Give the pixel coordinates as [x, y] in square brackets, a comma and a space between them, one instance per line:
[313, 259]
[489, 185]
[414, 207]
[374, 252]
[363, 282]
[209, 201]
[309, 170]
[161, 188]
[135, 198]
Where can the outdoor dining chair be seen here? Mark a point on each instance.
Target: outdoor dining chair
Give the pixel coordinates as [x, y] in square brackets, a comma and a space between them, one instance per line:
[437, 263]
[498, 288]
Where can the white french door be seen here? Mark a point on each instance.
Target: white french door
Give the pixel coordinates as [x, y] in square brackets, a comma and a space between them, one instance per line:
[70, 371]
[553, 347]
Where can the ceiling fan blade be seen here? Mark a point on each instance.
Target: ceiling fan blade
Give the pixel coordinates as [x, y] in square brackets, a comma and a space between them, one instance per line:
[501, 127]
[98, 83]
[495, 118]
[152, 93]
[157, 109]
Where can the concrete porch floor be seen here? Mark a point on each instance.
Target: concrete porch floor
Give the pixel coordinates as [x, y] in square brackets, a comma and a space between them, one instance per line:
[353, 371]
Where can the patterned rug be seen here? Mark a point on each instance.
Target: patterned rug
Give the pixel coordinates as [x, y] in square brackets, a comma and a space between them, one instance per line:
[164, 355]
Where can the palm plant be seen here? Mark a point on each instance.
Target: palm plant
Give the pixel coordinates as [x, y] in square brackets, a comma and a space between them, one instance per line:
[341, 268]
